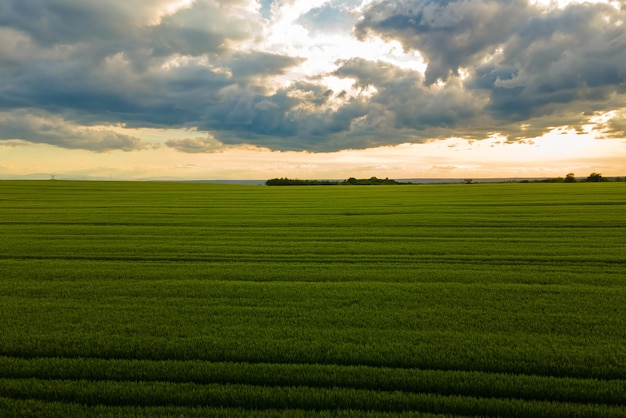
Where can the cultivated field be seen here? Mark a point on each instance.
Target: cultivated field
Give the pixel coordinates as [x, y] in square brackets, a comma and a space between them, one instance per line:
[161, 299]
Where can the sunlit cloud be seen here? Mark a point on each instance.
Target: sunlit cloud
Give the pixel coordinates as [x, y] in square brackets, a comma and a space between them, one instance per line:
[560, 4]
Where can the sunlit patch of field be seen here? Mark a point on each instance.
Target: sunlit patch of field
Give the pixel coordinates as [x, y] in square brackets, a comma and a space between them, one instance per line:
[160, 299]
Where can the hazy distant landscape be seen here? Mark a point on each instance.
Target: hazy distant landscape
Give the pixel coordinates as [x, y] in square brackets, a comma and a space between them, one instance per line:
[195, 299]
[416, 180]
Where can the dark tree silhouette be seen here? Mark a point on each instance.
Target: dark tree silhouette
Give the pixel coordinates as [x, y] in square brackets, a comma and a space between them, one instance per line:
[596, 177]
[570, 178]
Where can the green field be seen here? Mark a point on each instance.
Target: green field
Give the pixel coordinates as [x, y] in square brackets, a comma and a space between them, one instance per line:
[192, 299]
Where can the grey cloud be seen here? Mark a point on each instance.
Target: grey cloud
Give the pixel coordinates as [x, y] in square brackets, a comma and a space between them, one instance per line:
[296, 117]
[196, 145]
[405, 108]
[169, 40]
[404, 101]
[450, 34]
[117, 91]
[207, 27]
[526, 67]
[45, 129]
[260, 64]
[374, 73]
[96, 31]
[52, 22]
[179, 72]
[574, 59]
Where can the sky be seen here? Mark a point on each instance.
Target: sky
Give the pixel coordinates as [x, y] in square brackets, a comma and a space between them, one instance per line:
[316, 89]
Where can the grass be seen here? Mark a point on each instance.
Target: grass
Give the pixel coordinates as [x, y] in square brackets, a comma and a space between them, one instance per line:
[160, 299]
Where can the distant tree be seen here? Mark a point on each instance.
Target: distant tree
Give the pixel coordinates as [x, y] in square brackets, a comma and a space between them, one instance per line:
[284, 181]
[596, 178]
[570, 178]
[372, 181]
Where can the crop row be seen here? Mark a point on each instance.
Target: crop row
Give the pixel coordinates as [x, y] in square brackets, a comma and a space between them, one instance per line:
[30, 407]
[117, 393]
[415, 216]
[490, 352]
[454, 307]
[74, 269]
[486, 244]
[471, 384]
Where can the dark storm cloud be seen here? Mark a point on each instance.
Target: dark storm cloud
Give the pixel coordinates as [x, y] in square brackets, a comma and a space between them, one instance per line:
[296, 117]
[91, 64]
[123, 24]
[51, 22]
[573, 59]
[531, 64]
[113, 91]
[493, 67]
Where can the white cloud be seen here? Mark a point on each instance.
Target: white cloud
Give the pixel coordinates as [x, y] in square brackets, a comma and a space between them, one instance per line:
[560, 4]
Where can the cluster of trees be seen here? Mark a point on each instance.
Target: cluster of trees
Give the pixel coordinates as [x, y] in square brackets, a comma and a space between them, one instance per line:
[595, 178]
[571, 178]
[284, 181]
[370, 181]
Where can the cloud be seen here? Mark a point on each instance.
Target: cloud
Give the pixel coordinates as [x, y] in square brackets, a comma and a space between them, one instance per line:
[231, 68]
[91, 60]
[534, 67]
[402, 100]
[185, 23]
[257, 65]
[297, 117]
[334, 16]
[450, 34]
[20, 125]
[572, 59]
[196, 145]
[611, 124]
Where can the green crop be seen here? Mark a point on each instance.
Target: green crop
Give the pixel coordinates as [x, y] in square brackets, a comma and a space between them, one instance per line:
[188, 299]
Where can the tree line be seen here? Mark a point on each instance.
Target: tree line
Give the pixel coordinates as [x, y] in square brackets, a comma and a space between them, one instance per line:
[284, 181]
[591, 178]
[569, 178]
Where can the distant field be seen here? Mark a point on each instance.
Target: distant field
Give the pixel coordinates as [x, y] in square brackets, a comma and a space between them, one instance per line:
[161, 299]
